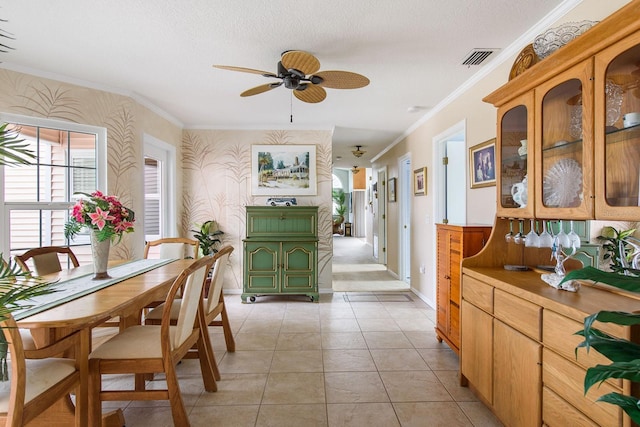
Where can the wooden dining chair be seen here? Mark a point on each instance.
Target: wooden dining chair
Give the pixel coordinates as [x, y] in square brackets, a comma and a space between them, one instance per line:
[173, 247]
[150, 349]
[38, 378]
[213, 304]
[46, 259]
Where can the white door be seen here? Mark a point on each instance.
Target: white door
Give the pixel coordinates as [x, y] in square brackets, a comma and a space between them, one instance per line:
[382, 216]
[404, 199]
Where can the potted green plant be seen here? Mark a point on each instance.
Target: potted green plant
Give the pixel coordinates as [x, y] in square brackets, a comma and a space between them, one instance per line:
[16, 289]
[624, 355]
[208, 236]
[339, 199]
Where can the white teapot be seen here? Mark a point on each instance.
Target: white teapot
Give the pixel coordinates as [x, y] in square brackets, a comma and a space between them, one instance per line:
[522, 150]
[519, 193]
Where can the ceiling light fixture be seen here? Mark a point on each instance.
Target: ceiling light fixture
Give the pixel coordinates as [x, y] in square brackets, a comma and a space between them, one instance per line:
[358, 152]
[355, 170]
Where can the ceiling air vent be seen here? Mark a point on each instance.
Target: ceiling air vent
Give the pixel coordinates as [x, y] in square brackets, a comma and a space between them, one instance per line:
[477, 56]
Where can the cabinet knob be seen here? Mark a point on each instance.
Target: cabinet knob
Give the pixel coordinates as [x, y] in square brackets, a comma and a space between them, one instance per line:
[446, 276]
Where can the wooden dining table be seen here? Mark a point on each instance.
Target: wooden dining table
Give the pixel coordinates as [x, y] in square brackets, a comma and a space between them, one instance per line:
[124, 300]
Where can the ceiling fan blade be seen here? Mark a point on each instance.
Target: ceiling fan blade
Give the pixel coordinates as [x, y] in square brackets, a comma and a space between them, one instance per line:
[300, 60]
[245, 70]
[342, 79]
[311, 94]
[260, 89]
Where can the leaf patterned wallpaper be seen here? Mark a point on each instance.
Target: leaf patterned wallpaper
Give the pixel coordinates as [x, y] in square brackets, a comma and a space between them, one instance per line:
[217, 185]
[213, 178]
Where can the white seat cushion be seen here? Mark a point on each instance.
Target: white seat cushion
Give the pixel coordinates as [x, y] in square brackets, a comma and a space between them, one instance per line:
[136, 342]
[42, 374]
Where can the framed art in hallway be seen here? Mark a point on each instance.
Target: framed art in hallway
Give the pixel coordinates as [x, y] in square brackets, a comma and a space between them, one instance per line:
[283, 170]
[482, 164]
[392, 189]
[420, 182]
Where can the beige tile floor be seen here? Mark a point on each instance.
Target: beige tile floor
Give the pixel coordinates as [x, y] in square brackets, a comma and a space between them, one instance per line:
[353, 359]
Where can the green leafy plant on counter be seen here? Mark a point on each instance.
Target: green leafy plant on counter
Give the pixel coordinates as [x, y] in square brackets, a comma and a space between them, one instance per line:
[624, 354]
[208, 236]
[620, 248]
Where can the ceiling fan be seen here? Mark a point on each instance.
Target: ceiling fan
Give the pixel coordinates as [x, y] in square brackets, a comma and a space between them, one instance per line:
[298, 71]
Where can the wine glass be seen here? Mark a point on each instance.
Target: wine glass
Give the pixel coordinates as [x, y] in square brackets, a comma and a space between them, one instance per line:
[563, 238]
[545, 240]
[509, 236]
[574, 239]
[518, 239]
[531, 239]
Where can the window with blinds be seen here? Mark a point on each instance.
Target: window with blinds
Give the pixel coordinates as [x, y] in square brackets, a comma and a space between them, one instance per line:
[152, 198]
[37, 197]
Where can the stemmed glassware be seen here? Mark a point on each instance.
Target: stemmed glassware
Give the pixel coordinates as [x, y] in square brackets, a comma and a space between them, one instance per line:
[563, 238]
[509, 236]
[545, 240]
[531, 239]
[574, 239]
[518, 239]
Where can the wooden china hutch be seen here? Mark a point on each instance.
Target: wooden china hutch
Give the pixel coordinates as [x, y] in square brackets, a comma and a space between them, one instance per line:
[575, 110]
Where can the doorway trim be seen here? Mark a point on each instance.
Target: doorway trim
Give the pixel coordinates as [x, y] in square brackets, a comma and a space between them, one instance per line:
[156, 148]
[404, 224]
[439, 147]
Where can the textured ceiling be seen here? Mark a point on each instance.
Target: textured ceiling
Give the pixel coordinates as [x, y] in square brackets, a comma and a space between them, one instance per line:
[162, 51]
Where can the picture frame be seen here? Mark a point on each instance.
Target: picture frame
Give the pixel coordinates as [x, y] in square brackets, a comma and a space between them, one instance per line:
[420, 182]
[482, 164]
[392, 189]
[283, 170]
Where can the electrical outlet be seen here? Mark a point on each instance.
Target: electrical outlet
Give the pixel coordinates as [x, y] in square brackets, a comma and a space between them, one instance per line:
[422, 269]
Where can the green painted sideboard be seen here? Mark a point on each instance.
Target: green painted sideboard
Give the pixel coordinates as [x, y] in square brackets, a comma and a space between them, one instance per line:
[281, 251]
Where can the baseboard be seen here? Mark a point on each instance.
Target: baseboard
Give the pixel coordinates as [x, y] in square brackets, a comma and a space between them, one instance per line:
[423, 298]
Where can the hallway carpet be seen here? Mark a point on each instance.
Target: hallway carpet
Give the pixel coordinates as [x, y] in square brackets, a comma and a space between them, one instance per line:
[355, 269]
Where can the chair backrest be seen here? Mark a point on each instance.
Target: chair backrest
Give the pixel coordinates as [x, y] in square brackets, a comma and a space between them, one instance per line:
[45, 259]
[191, 281]
[173, 247]
[22, 398]
[217, 277]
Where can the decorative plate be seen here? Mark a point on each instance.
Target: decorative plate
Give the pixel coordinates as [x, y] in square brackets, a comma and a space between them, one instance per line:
[562, 185]
[549, 41]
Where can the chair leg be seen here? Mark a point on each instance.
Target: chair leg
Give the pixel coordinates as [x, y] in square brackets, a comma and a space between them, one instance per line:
[178, 411]
[208, 365]
[226, 327]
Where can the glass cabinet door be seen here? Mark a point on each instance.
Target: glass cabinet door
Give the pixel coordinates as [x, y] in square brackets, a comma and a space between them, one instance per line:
[514, 153]
[617, 131]
[564, 151]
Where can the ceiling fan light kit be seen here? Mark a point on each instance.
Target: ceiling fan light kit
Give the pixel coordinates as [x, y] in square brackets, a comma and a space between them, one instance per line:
[298, 71]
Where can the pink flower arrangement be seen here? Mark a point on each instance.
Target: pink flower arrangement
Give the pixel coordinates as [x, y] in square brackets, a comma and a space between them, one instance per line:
[103, 214]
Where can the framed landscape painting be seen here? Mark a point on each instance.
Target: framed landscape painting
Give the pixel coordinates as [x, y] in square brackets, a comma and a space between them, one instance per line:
[283, 170]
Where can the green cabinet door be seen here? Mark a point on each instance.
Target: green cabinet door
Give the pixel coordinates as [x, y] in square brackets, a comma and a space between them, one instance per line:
[298, 267]
[262, 269]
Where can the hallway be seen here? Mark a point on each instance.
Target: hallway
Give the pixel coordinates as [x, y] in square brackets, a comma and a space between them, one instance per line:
[355, 269]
